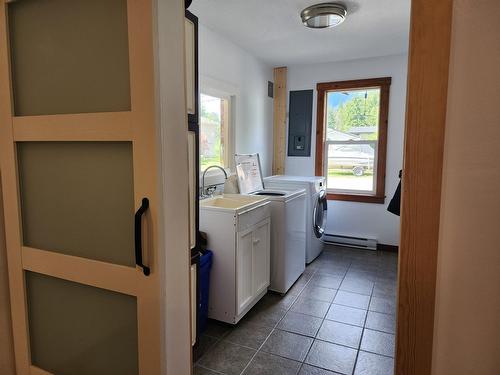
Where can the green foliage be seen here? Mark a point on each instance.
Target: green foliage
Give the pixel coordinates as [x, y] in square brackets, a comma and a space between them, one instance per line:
[355, 112]
[211, 116]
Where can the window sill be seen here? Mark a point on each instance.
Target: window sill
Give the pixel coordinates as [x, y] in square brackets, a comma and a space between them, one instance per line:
[356, 198]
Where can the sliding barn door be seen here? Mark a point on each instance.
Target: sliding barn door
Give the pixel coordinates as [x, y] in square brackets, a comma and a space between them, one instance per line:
[78, 162]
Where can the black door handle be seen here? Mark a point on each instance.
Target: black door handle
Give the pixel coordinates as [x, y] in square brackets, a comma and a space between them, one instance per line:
[138, 236]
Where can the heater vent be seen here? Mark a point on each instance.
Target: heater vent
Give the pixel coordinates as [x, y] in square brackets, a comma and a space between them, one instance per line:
[359, 242]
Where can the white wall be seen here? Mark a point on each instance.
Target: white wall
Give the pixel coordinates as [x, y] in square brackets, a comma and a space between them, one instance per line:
[232, 69]
[351, 218]
[467, 312]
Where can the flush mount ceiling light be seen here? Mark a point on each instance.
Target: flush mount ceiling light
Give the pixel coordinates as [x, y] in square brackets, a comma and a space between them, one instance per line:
[323, 15]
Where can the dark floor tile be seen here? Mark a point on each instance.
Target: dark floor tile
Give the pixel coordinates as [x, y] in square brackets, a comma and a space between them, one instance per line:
[332, 357]
[266, 315]
[381, 322]
[332, 271]
[216, 329]
[318, 292]
[300, 323]
[357, 285]
[276, 299]
[346, 314]
[368, 266]
[388, 273]
[249, 334]
[308, 273]
[313, 266]
[385, 288]
[362, 274]
[389, 276]
[203, 371]
[386, 305]
[204, 344]
[298, 286]
[332, 282]
[311, 370]
[373, 364]
[378, 342]
[360, 301]
[310, 307]
[288, 345]
[268, 364]
[334, 267]
[340, 333]
[227, 358]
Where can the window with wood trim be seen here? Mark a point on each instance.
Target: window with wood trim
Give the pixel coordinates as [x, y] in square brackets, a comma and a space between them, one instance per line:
[351, 138]
[214, 131]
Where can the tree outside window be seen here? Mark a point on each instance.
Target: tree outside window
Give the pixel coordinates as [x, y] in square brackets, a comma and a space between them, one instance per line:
[213, 131]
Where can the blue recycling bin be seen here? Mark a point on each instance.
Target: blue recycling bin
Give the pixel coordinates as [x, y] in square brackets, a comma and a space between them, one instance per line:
[205, 266]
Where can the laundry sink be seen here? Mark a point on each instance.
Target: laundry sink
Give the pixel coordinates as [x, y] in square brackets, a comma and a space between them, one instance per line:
[232, 202]
[238, 231]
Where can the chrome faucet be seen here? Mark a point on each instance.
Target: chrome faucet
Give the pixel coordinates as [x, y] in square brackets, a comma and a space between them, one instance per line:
[203, 179]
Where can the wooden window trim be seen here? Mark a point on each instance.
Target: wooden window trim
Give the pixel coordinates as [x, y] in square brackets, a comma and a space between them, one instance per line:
[384, 84]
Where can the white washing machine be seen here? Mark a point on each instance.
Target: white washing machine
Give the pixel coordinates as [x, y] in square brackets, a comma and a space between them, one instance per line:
[316, 207]
[288, 235]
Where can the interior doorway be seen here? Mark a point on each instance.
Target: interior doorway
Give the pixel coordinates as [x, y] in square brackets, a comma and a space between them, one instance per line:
[411, 318]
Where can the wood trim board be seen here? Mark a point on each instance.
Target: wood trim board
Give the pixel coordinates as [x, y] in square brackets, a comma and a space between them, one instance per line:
[105, 126]
[356, 198]
[429, 51]
[11, 206]
[279, 120]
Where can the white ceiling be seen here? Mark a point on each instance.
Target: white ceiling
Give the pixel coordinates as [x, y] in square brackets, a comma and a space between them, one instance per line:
[272, 29]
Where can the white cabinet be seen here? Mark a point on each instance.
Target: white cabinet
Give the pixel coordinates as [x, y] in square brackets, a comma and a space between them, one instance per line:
[261, 257]
[241, 242]
[252, 264]
[244, 276]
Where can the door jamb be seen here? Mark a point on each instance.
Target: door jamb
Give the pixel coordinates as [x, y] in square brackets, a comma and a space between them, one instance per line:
[429, 51]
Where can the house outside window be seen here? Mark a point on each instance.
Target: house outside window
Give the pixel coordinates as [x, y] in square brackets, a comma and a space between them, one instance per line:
[352, 138]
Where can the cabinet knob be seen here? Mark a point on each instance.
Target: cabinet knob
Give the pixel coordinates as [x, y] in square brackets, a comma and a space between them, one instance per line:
[256, 241]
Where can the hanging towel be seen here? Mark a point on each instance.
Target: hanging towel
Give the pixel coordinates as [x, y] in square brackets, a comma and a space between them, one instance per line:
[395, 204]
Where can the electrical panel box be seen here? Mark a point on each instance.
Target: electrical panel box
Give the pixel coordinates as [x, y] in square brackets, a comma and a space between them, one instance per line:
[300, 123]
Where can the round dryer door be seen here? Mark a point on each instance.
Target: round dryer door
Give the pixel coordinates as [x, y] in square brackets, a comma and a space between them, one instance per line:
[320, 214]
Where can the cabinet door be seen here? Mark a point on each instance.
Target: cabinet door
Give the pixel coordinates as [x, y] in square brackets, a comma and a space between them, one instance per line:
[191, 51]
[244, 270]
[261, 257]
[192, 158]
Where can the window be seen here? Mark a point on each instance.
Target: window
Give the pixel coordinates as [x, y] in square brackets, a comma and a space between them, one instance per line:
[214, 131]
[352, 138]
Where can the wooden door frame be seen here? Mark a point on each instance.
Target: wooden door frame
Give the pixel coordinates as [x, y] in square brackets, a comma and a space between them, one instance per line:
[430, 35]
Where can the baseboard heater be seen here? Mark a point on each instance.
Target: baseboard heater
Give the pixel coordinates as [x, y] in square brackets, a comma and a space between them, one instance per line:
[359, 242]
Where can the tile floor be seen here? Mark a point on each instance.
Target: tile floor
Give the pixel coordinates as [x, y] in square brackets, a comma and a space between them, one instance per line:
[338, 318]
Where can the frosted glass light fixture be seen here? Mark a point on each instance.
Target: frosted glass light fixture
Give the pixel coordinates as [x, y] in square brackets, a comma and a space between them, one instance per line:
[320, 16]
